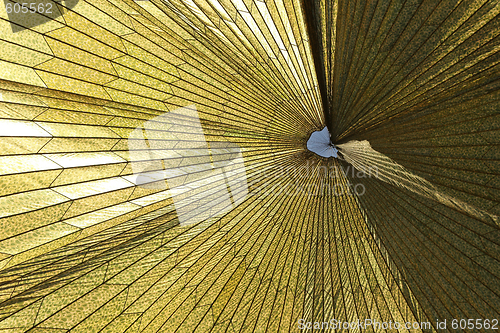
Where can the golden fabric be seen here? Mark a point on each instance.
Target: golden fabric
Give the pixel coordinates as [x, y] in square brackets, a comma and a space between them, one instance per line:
[412, 90]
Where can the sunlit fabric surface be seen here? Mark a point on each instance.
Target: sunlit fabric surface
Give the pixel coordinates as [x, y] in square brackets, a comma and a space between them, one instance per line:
[405, 228]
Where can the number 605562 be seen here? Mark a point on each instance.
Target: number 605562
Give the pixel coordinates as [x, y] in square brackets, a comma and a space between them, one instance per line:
[24, 8]
[474, 324]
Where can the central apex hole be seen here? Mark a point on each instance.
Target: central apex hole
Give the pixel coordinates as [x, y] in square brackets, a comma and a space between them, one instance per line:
[320, 144]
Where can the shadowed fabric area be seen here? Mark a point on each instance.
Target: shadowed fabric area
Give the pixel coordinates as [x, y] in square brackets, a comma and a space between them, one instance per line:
[155, 176]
